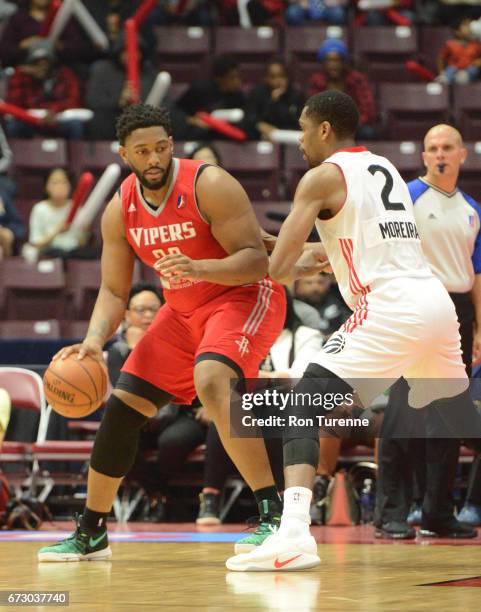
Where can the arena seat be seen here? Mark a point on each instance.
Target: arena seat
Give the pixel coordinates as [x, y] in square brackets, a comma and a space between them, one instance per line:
[34, 158]
[467, 109]
[412, 108]
[251, 46]
[74, 330]
[302, 45]
[93, 156]
[383, 51]
[28, 422]
[33, 291]
[469, 178]
[295, 167]
[271, 215]
[255, 164]
[30, 329]
[431, 41]
[406, 156]
[83, 282]
[183, 51]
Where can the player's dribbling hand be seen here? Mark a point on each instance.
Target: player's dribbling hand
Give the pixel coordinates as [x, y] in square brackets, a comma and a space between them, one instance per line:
[178, 266]
[88, 347]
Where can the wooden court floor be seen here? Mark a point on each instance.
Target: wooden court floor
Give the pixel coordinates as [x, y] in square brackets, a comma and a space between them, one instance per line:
[192, 576]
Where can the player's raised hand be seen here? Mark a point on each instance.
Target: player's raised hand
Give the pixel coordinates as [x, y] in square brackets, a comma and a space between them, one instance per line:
[178, 266]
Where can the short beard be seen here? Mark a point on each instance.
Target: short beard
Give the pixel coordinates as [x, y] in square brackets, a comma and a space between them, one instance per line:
[153, 185]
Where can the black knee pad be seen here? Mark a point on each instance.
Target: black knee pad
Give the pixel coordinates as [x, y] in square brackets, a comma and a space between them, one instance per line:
[316, 380]
[303, 447]
[117, 439]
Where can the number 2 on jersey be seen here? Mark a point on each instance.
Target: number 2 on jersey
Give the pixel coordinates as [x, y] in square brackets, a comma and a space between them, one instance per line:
[386, 190]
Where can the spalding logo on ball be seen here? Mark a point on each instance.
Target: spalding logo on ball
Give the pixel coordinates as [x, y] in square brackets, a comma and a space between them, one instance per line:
[75, 387]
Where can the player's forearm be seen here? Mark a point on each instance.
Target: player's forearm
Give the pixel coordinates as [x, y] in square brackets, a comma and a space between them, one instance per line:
[106, 317]
[246, 266]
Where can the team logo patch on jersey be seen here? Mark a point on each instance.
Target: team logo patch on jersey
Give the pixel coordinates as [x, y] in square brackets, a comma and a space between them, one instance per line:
[243, 344]
[180, 202]
[335, 344]
[132, 208]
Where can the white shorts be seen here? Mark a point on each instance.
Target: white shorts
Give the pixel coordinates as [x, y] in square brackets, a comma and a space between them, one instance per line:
[404, 327]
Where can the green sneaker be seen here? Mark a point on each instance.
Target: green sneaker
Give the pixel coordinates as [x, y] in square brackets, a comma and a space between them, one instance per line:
[80, 546]
[268, 523]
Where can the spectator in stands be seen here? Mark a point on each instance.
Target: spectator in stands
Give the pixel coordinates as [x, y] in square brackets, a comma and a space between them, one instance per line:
[288, 358]
[7, 9]
[319, 292]
[49, 232]
[395, 12]
[265, 12]
[5, 409]
[193, 13]
[12, 229]
[306, 11]
[42, 84]
[23, 29]
[108, 91]
[142, 306]
[11, 225]
[207, 153]
[111, 15]
[336, 73]
[460, 58]
[448, 12]
[222, 90]
[274, 104]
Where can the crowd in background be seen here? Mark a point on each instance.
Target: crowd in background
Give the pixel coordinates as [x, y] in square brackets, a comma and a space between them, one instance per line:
[74, 74]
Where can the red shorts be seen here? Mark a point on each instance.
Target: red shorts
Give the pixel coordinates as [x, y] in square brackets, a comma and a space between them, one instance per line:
[241, 324]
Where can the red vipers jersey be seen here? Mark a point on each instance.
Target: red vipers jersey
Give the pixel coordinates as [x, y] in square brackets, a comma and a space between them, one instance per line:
[175, 227]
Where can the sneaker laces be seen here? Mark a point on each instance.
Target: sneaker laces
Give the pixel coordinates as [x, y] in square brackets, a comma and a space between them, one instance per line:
[259, 522]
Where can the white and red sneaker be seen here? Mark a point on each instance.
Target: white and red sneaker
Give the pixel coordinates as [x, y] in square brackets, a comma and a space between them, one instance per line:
[278, 554]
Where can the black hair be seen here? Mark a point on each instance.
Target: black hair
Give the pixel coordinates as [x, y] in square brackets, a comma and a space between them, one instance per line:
[139, 116]
[206, 145]
[337, 108]
[143, 286]
[222, 65]
[67, 173]
[276, 60]
[459, 21]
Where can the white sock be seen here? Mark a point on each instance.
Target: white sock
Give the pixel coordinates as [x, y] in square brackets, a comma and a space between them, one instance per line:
[295, 518]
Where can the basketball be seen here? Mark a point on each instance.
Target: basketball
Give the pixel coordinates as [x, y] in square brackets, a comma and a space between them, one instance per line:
[75, 387]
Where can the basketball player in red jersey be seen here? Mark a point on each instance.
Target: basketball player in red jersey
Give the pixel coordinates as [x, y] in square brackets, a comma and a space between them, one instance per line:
[194, 224]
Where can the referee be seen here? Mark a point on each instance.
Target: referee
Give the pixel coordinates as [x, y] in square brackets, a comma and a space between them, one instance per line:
[448, 222]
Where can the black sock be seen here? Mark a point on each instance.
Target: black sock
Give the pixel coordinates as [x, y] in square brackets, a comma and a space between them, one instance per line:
[271, 495]
[92, 521]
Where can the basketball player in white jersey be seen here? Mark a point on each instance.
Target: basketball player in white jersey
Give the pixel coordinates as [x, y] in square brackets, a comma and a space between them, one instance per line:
[403, 321]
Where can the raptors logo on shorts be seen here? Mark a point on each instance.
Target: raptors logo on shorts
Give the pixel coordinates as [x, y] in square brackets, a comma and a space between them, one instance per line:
[335, 344]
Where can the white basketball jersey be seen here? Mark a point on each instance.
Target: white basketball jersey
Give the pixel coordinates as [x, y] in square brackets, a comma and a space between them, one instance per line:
[374, 236]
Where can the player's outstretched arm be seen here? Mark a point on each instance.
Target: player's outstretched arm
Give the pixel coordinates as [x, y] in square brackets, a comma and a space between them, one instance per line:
[117, 267]
[320, 189]
[225, 206]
